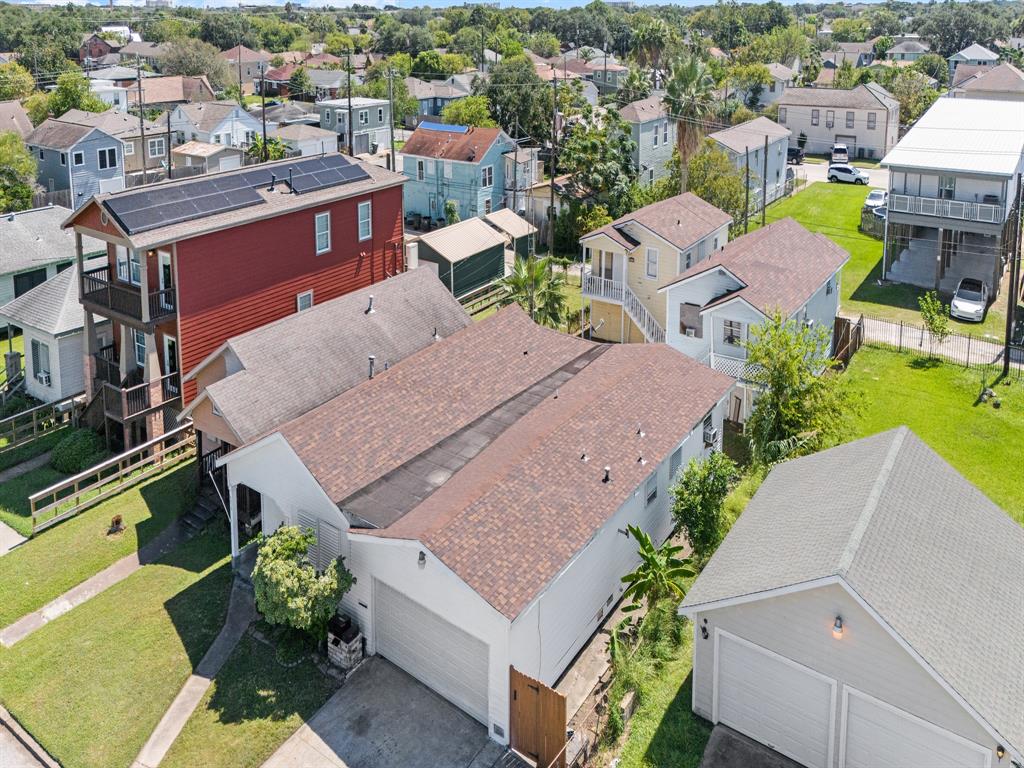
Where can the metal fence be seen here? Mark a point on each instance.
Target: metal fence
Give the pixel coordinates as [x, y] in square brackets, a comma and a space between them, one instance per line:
[963, 348]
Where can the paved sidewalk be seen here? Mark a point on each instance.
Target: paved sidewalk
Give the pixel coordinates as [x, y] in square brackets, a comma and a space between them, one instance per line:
[10, 538]
[18, 749]
[241, 612]
[173, 535]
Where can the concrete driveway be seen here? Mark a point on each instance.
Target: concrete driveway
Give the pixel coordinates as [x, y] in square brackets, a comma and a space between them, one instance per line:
[384, 718]
[819, 172]
[728, 749]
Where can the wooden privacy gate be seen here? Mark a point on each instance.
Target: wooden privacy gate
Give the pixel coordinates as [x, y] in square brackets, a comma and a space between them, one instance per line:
[537, 722]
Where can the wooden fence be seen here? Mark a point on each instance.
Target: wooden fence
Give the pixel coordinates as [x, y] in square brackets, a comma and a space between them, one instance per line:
[75, 494]
[61, 197]
[871, 224]
[24, 427]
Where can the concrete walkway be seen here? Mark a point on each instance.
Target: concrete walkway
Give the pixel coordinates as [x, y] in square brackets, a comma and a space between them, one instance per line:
[10, 538]
[169, 538]
[18, 749]
[241, 612]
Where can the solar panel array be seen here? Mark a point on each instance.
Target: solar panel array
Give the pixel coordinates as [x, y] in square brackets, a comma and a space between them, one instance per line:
[162, 206]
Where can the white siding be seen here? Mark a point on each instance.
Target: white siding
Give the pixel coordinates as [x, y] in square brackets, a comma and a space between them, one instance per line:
[70, 362]
[33, 386]
[799, 627]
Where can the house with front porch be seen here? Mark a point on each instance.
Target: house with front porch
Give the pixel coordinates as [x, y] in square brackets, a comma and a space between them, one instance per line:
[952, 212]
[215, 122]
[713, 307]
[633, 256]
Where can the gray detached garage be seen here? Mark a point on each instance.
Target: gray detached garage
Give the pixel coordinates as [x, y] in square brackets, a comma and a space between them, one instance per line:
[858, 613]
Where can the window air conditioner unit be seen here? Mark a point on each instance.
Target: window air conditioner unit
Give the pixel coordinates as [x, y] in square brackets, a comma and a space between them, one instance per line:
[710, 435]
[691, 332]
[43, 378]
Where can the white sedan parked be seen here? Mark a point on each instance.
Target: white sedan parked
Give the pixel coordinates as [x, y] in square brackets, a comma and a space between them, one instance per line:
[969, 300]
[847, 173]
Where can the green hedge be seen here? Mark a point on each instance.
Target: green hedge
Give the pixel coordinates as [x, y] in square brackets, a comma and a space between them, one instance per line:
[77, 452]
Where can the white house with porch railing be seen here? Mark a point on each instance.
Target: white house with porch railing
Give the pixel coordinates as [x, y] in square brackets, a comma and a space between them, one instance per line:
[630, 258]
[953, 203]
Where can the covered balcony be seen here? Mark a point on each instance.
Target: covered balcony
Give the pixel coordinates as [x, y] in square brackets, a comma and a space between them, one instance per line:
[112, 298]
[990, 210]
[124, 397]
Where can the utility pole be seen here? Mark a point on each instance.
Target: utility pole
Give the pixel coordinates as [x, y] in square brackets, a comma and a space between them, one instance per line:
[142, 119]
[348, 80]
[746, 192]
[168, 144]
[392, 165]
[554, 139]
[239, 52]
[515, 171]
[263, 102]
[764, 183]
[1014, 289]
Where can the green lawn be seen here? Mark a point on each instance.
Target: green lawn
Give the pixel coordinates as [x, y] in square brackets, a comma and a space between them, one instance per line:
[31, 450]
[939, 402]
[253, 706]
[91, 685]
[63, 556]
[834, 210]
[14, 493]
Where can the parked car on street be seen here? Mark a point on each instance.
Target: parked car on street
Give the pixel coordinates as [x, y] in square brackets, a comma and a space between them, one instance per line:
[875, 198]
[847, 173]
[969, 300]
[794, 155]
[840, 154]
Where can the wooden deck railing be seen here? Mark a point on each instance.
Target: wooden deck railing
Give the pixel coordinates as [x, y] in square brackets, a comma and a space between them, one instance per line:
[75, 494]
[124, 403]
[98, 288]
[24, 427]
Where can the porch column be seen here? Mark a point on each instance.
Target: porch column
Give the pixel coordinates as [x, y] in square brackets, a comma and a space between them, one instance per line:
[151, 376]
[144, 283]
[91, 348]
[127, 350]
[938, 258]
[233, 523]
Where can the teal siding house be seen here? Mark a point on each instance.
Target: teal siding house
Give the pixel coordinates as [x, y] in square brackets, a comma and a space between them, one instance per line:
[458, 163]
[654, 134]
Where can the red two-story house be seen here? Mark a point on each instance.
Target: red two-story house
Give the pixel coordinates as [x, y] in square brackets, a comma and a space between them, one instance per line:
[191, 263]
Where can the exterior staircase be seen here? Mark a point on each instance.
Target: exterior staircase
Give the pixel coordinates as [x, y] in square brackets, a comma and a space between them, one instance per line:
[644, 320]
[206, 508]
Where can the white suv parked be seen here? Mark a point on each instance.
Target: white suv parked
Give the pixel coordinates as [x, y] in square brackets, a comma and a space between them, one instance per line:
[847, 173]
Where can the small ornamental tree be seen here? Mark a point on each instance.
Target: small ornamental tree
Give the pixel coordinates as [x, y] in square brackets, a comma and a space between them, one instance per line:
[698, 496]
[935, 316]
[288, 588]
[661, 573]
[451, 211]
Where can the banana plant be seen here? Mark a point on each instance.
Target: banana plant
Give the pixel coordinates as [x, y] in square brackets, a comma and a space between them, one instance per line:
[660, 574]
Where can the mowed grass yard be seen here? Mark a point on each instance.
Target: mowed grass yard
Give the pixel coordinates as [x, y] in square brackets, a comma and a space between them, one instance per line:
[834, 211]
[91, 685]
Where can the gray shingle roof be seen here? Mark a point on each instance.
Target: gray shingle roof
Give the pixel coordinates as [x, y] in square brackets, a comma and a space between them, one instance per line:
[750, 134]
[33, 239]
[51, 307]
[340, 337]
[938, 561]
[118, 124]
[53, 134]
[13, 117]
[975, 51]
[860, 97]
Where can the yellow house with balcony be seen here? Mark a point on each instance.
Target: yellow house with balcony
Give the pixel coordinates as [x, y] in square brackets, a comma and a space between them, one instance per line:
[632, 257]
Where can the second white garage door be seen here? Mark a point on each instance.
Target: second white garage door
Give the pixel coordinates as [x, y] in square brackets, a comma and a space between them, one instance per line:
[774, 700]
[431, 649]
[879, 735]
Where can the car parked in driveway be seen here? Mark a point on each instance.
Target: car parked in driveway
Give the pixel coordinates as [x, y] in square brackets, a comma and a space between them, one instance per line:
[840, 154]
[876, 198]
[795, 155]
[970, 300]
[847, 173]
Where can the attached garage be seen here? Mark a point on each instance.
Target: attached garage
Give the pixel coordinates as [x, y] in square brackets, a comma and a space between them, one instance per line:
[774, 700]
[431, 649]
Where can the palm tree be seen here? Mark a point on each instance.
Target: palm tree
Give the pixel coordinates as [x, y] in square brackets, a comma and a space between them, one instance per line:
[272, 149]
[635, 86]
[689, 98]
[659, 575]
[650, 39]
[538, 289]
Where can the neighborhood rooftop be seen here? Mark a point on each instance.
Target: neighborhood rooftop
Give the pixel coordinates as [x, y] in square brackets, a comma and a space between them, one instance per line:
[926, 550]
[750, 135]
[461, 240]
[51, 307]
[861, 97]
[938, 140]
[1004, 78]
[34, 238]
[408, 310]
[681, 221]
[642, 110]
[450, 142]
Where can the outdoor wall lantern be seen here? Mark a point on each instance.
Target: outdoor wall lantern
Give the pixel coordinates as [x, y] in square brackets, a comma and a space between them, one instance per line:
[1000, 751]
[837, 628]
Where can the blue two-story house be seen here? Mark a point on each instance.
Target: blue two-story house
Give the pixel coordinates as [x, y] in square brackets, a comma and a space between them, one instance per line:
[433, 96]
[82, 159]
[654, 137]
[454, 162]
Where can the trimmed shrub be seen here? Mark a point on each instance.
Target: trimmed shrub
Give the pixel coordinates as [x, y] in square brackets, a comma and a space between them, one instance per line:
[77, 452]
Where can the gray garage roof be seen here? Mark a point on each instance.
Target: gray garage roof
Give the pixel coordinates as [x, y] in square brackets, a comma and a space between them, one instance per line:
[52, 306]
[295, 364]
[938, 561]
[33, 239]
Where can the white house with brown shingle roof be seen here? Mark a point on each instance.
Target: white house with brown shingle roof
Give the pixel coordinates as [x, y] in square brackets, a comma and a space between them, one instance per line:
[1003, 82]
[713, 307]
[634, 255]
[478, 491]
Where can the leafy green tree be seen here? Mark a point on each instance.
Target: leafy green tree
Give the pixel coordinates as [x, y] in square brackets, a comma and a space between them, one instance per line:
[741, 114]
[72, 92]
[882, 46]
[751, 79]
[689, 99]
[471, 110]
[289, 590]
[935, 316]
[850, 30]
[933, 65]
[660, 575]
[273, 149]
[224, 30]
[300, 85]
[163, 30]
[505, 41]
[543, 44]
[320, 25]
[911, 90]
[782, 44]
[16, 82]
[38, 107]
[598, 160]
[951, 27]
[884, 22]
[194, 57]
[44, 58]
[803, 405]
[517, 96]
[698, 496]
[713, 178]
[431, 65]
[451, 211]
[339, 43]
[17, 173]
[651, 35]
[469, 41]
[635, 86]
[538, 289]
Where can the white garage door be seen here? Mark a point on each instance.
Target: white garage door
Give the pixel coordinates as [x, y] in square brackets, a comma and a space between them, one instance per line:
[879, 735]
[774, 700]
[434, 651]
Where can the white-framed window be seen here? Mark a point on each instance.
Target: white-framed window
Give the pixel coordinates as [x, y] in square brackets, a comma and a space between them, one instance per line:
[78, 158]
[157, 147]
[364, 117]
[139, 342]
[782, 115]
[815, 117]
[656, 136]
[63, 158]
[365, 221]
[732, 332]
[129, 269]
[380, 114]
[830, 118]
[715, 246]
[421, 170]
[664, 132]
[675, 463]
[303, 301]
[42, 155]
[651, 488]
[872, 118]
[107, 158]
[487, 176]
[652, 263]
[41, 362]
[685, 261]
[129, 148]
[323, 232]
[849, 119]
[328, 116]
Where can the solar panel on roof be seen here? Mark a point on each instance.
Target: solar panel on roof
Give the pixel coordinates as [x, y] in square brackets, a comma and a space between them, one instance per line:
[428, 126]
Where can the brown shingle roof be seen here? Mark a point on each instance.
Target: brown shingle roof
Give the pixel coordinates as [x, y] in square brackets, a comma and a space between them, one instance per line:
[246, 54]
[13, 117]
[782, 265]
[643, 110]
[681, 220]
[1004, 78]
[965, 72]
[470, 146]
[172, 88]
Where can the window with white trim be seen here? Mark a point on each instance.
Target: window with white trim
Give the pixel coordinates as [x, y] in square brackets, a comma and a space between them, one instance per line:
[323, 232]
[685, 261]
[487, 205]
[364, 117]
[303, 301]
[78, 158]
[420, 170]
[41, 362]
[139, 342]
[830, 118]
[872, 118]
[849, 119]
[656, 136]
[156, 147]
[365, 221]
[782, 115]
[652, 263]
[664, 132]
[732, 332]
[651, 488]
[63, 158]
[107, 158]
[815, 117]
[129, 148]
[487, 176]
[380, 114]
[675, 463]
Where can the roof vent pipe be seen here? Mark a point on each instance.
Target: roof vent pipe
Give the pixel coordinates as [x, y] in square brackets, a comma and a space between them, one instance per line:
[372, 361]
[273, 180]
[640, 431]
[437, 336]
[291, 186]
[607, 475]
[369, 307]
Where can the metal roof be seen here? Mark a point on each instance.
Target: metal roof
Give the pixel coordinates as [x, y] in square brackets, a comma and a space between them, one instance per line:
[457, 242]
